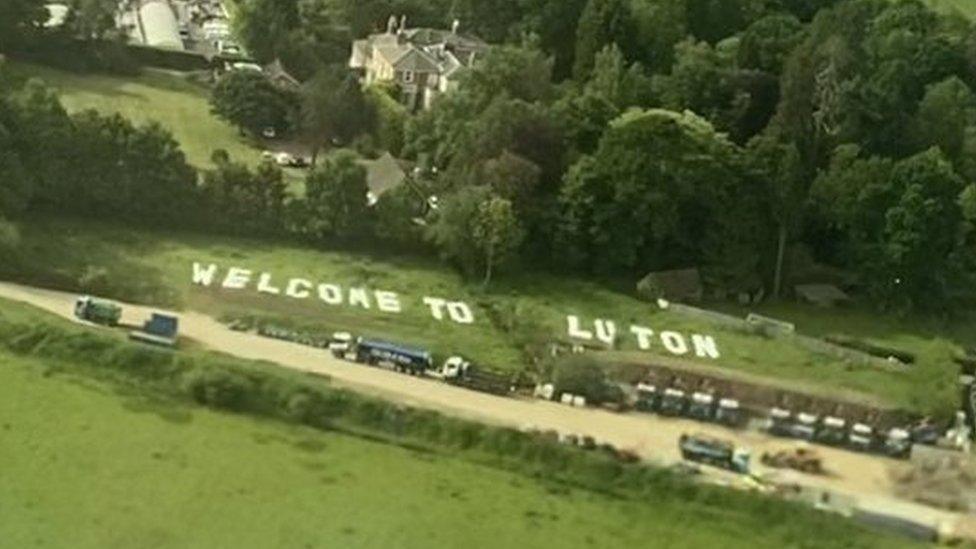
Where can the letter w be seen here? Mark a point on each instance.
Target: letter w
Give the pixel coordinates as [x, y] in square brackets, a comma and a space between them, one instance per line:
[203, 276]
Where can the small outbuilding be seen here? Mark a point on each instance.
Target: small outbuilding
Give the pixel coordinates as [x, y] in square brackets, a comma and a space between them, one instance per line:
[824, 295]
[682, 285]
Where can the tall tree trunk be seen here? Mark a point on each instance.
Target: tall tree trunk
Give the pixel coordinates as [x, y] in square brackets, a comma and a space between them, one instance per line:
[489, 260]
[780, 253]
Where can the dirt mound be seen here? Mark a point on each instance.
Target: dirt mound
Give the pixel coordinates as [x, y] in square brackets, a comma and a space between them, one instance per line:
[941, 479]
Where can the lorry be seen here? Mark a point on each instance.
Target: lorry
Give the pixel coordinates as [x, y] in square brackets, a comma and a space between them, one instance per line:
[647, 397]
[833, 431]
[458, 371]
[160, 329]
[701, 406]
[716, 452]
[673, 402]
[729, 413]
[97, 311]
[898, 443]
[400, 358]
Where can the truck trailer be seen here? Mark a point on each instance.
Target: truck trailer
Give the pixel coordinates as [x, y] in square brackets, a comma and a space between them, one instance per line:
[458, 371]
[400, 358]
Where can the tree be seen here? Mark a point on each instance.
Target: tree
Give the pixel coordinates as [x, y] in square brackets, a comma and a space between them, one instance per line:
[390, 119]
[603, 22]
[246, 202]
[555, 25]
[18, 20]
[767, 43]
[659, 185]
[944, 114]
[250, 101]
[780, 169]
[335, 203]
[396, 212]
[902, 221]
[497, 233]
[333, 110]
[265, 25]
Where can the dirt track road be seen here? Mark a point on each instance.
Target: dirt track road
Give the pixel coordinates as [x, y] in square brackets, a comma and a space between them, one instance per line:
[652, 437]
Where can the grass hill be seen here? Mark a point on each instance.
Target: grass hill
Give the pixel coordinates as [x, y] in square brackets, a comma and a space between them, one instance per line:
[515, 315]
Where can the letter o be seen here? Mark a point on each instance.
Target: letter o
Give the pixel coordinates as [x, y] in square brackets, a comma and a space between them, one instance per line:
[674, 342]
[460, 312]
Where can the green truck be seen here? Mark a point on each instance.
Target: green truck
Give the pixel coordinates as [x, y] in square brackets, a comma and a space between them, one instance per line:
[98, 311]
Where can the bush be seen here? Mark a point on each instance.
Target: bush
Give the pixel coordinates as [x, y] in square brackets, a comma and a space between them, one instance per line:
[581, 375]
[218, 388]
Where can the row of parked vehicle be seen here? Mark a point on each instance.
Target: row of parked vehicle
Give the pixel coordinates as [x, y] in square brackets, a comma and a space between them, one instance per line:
[674, 402]
[833, 431]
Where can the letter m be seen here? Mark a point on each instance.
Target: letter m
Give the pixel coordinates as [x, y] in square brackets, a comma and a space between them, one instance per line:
[203, 276]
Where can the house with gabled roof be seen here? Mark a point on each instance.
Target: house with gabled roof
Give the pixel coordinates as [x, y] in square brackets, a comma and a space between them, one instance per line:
[423, 62]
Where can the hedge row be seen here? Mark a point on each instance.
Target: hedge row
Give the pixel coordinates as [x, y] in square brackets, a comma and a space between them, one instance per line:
[264, 390]
[871, 348]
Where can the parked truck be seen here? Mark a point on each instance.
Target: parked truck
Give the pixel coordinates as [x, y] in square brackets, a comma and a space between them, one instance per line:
[98, 311]
[160, 329]
[400, 358]
[715, 452]
[458, 371]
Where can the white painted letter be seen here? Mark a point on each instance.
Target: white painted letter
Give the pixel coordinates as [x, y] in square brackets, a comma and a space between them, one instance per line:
[264, 285]
[574, 329]
[330, 293]
[293, 288]
[674, 343]
[643, 336]
[436, 305]
[705, 346]
[357, 296]
[388, 302]
[606, 331]
[460, 312]
[237, 278]
[203, 276]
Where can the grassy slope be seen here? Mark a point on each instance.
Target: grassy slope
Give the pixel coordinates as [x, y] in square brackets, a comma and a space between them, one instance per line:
[965, 7]
[156, 267]
[177, 104]
[86, 464]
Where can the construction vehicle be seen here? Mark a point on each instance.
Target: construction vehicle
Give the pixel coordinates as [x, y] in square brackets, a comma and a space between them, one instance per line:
[805, 460]
[729, 412]
[898, 443]
[673, 402]
[160, 329]
[647, 397]
[97, 311]
[861, 437]
[716, 452]
[833, 431]
[400, 358]
[458, 371]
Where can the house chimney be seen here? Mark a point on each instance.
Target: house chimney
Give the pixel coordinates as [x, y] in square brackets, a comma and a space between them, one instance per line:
[454, 26]
[391, 24]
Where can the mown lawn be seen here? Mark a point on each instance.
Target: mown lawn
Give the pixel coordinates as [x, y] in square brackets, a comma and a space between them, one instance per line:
[90, 465]
[166, 97]
[156, 268]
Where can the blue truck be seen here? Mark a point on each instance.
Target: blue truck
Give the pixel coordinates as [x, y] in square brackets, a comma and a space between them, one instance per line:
[161, 329]
[400, 358]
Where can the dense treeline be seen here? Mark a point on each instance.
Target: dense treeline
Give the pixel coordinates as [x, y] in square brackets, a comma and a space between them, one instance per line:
[749, 138]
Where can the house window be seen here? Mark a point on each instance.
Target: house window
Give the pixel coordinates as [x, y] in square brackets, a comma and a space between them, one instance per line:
[408, 76]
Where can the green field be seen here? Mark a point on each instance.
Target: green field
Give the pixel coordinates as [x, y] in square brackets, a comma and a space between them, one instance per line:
[965, 7]
[156, 268]
[99, 464]
[166, 97]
